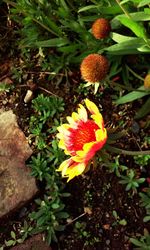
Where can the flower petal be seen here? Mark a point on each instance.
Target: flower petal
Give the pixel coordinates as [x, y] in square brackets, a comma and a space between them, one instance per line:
[82, 113]
[64, 165]
[91, 107]
[101, 134]
[98, 120]
[75, 171]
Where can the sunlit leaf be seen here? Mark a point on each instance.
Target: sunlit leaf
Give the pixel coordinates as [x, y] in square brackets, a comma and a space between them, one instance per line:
[136, 28]
[143, 3]
[127, 47]
[134, 95]
[120, 38]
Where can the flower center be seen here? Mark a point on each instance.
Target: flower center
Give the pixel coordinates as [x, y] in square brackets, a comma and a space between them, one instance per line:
[83, 134]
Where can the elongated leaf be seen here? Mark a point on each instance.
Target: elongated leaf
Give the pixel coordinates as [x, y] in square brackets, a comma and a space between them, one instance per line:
[146, 218]
[113, 10]
[147, 11]
[144, 110]
[144, 48]
[55, 42]
[52, 25]
[87, 8]
[136, 28]
[69, 48]
[134, 95]
[63, 3]
[120, 38]
[128, 47]
[143, 3]
[136, 242]
[137, 16]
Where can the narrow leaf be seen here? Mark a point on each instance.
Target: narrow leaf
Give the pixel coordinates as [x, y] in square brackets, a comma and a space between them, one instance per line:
[87, 8]
[136, 242]
[143, 3]
[144, 110]
[134, 95]
[55, 42]
[127, 47]
[120, 38]
[136, 28]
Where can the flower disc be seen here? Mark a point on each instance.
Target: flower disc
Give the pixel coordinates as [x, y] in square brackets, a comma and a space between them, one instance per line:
[94, 68]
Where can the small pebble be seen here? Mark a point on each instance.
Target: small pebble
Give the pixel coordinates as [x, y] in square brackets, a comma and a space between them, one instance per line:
[107, 242]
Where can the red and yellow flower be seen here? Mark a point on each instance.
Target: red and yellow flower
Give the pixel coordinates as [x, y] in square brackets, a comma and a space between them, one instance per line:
[81, 138]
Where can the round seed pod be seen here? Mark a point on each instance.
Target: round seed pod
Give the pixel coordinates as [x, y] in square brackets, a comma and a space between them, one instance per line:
[101, 28]
[147, 81]
[94, 68]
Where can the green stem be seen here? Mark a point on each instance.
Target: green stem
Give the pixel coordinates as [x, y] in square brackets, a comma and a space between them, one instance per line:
[125, 87]
[135, 74]
[123, 9]
[126, 152]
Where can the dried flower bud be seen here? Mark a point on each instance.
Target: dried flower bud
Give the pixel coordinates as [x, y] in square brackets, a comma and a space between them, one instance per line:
[147, 81]
[94, 68]
[101, 28]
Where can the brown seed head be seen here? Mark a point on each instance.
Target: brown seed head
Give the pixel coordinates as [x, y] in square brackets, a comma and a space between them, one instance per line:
[94, 68]
[147, 81]
[101, 28]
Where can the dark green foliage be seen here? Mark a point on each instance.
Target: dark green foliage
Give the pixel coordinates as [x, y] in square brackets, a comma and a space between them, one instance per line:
[143, 243]
[50, 214]
[131, 180]
[145, 202]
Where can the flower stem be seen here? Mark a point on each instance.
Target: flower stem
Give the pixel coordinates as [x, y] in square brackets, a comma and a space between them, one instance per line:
[123, 9]
[126, 152]
[135, 74]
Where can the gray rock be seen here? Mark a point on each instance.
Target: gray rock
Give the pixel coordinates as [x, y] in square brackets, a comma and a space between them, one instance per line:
[16, 184]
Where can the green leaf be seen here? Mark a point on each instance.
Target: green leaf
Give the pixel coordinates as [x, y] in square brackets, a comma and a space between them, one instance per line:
[136, 28]
[143, 3]
[146, 218]
[136, 16]
[63, 215]
[64, 5]
[141, 180]
[127, 47]
[41, 220]
[136, 242]
[55, 205]
[13, 235]
[87, 8]
[147, 11]
[69, 48]
[10, 243]
[144, 110]
[123, 222]
[120, 38]
[144, 48]
[52, 25]
[5, 87]
[128, 187]
[134, 95]
[111, 10]
[55, 42]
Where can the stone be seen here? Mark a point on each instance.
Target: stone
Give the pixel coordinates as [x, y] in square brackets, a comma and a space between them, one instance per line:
[34, 243]
[16, 184]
